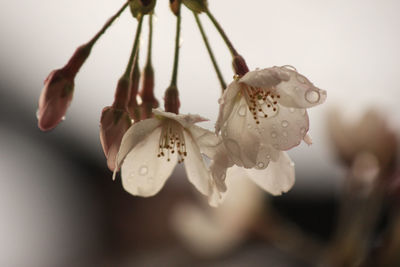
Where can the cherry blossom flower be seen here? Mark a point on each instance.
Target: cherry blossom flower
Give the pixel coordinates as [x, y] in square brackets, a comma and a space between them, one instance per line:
[151, 148]
[264, 112]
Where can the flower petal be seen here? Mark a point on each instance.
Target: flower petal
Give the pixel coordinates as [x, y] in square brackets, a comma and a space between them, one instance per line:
[135, 134]
[240, 137]
[226, 104]
[298, 91]
[205, 139]
[186, 120]
[265, 78]
[285, 129]
[143, 173]
[196, 170]
[278, 178]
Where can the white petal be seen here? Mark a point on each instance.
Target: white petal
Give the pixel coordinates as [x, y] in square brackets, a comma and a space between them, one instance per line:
[135, 134]
[299, 92]
[143, 173]
[265, 78]
[186, 120]
[196, 169]
[240, 137]
[226, 104]
[286, 129]
[278, 178]
[205, 139]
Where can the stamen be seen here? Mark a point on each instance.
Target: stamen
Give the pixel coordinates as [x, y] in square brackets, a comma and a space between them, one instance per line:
[171, 140]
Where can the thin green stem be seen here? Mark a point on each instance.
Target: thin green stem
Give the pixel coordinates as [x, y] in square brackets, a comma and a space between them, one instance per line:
[210, 52]
[177, 40]
[107, 24]
[150, 43]
[134, 48]
[222, 33]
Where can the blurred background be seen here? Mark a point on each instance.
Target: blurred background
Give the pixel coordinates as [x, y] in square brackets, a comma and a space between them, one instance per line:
[58, 205]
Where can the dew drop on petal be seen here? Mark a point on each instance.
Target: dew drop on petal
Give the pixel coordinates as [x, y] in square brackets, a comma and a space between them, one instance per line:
[274, 135]
[312, 96]
[249, 126]
[302, 130]
[291, 110]
[261, 165]
[63, 118]
[300, 78]
[242, 110]
[285, 124]
[143, 170]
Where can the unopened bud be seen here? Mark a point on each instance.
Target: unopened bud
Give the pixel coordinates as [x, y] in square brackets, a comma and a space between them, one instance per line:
[171, 100]
[141, 7]
[197, 6]
[239, 65]
[121, 94]
[55, 99]
[113, 125]
[147, 94]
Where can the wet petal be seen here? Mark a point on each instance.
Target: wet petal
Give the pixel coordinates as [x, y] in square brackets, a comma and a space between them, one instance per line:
[240, 137]
[205, 139]
[226, 104]
[143, 173]
[298, 91]
[196, 170]
[286, 128]
[135, 134]
[186, 120]
[278, 178]
[265, 78]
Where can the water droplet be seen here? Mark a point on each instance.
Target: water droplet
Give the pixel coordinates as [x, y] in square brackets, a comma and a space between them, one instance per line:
[143, 170]
[268, 156]
[303, 130]
[285, 133]
[312, 96]
[291, 110]
[274, 135]
[249, 126]
[63, 118]
[300, 78]
[180, 42]
[261, 165]
[285, 124]
[242, 110]
[37, 114]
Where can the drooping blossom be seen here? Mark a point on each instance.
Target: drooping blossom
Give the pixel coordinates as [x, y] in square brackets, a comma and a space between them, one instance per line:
[113, 125]
[58, 90]
[264, 112]
[151, 148]
[54, 100]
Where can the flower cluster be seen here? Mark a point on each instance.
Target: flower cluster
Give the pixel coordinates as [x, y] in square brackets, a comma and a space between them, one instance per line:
[262, 115]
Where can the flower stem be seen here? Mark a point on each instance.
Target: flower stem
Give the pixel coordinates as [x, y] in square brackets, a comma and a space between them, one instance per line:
[134, 48]
[222, 33]
[210, 52]
[177, 39]
[107, 25]
[150, 43]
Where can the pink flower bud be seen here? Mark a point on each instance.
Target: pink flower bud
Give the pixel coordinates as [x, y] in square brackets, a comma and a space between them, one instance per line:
[113, 125]
[55, 98]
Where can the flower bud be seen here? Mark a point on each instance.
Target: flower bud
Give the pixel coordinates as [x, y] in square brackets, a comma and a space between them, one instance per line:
[239, 65]
[58, 90]
[121, 97]
[141, 7]
[171, 100]
[113, 125]
[197, 6]
[147, 94]
[54, 100]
